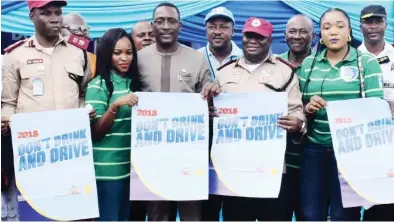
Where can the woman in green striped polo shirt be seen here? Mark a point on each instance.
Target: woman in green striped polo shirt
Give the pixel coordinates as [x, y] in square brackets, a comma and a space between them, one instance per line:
[110, 94]
[336, 72]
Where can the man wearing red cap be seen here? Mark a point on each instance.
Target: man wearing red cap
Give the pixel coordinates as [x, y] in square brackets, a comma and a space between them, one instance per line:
[259, 71]
[44, 72]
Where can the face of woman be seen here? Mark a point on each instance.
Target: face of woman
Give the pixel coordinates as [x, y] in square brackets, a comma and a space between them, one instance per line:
[122, 55]
[335, 30]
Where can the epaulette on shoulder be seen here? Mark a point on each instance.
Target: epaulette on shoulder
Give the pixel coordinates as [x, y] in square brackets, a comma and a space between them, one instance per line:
[14, 46]
[226, 64]
[286, 62]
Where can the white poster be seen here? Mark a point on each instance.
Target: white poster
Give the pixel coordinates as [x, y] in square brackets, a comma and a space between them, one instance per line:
[54, 163]
[363, 137]
[169, 147]
[248, 148]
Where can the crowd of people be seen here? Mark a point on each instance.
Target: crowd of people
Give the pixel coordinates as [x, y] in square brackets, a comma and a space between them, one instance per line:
[53, 71]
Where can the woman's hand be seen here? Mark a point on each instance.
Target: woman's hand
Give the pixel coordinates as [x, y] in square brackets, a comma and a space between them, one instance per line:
[315, 103]
[127, 100]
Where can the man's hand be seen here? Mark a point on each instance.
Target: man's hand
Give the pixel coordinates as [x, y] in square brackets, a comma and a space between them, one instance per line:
[210, 90]
[5, 128]
[290, 123]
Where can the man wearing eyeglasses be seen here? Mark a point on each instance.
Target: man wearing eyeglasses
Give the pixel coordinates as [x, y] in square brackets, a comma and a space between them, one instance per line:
[259, 71]
[168, 66]
[74, 25]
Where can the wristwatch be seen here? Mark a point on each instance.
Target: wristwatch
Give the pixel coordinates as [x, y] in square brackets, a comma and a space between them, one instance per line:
[303, 126]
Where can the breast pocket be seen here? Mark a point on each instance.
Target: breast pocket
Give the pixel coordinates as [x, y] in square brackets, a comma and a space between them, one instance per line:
[186, 82]
[74, 75]
[230, 83]
[30, 72]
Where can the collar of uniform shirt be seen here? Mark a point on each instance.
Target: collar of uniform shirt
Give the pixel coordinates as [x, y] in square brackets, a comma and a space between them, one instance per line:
[241, 62]
[388, 48]
[35, 43]
[235, 50]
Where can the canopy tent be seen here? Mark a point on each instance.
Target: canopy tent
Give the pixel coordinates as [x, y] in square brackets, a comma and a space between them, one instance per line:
[102, 15]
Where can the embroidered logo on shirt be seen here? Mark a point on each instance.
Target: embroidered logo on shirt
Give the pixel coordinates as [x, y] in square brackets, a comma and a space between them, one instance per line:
[348, 73]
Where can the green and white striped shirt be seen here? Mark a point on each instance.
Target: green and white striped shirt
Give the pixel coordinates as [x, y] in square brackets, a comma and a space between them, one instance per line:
[339, 82]
[112, 153]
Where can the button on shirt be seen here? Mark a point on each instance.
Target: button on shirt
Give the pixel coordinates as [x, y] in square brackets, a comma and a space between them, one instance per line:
[28, 62]
[214, 63]
[387, 69]
[237, 77]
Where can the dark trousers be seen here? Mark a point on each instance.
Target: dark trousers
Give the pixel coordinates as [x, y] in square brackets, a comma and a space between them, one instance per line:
[320, 187]
[164, 210]
[291, 193]
[137, 211]
[263, 209]
[113, 199]
[380, 213]
[211, 208]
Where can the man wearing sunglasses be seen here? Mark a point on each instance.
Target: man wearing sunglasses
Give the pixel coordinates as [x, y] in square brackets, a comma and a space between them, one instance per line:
[74, 25]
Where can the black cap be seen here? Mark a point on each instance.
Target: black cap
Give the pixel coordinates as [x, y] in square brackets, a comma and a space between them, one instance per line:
[373, 11]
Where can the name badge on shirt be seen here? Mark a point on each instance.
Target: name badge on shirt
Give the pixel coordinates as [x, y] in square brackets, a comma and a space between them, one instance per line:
[348, 73]
[38, 87]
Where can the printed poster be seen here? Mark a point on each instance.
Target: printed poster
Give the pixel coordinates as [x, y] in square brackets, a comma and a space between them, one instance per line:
[249, 147]
[169, 147]
[54, 163]
[363, 137]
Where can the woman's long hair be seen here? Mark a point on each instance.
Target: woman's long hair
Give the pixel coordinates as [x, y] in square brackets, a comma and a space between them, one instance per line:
[321, 47]
[105, 51]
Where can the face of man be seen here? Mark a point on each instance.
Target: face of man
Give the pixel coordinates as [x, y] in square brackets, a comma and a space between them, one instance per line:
[255, 47]
[75, 24]
[166, 26]
[299, 35]
[373, 29]
[142, 34]
[47, 20]
[219, 32]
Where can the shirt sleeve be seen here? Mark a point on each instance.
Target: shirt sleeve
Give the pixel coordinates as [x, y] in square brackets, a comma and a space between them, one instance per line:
[205, 75]
[373, 77]
[97, 96]
[295, 100]
[11, 84]
[86, 78]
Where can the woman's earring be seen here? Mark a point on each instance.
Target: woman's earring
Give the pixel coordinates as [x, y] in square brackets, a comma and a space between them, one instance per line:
[349, 39]
[321, 41]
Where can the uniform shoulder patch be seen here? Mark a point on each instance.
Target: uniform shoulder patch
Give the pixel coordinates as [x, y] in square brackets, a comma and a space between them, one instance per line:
[286, 63]
[79, 42]
[14, 46]
[226, 64]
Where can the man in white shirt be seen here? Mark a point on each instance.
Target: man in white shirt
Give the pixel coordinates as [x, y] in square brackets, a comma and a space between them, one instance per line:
[373, 26]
